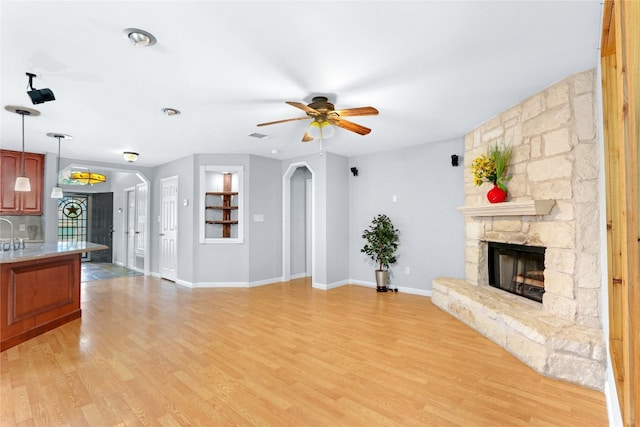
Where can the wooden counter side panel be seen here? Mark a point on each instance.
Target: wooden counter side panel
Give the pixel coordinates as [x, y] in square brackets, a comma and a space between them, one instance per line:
[36, 290]
[38, 296]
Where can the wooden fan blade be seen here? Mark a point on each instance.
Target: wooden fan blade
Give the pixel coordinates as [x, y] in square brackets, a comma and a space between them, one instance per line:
[359, 111]
[283, 121]
[304, 108]
[353, 127]
[307, 137]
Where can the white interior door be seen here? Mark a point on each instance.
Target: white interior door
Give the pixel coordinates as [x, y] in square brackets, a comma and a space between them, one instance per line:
[169, 229]
[131, 229]
[141, 223]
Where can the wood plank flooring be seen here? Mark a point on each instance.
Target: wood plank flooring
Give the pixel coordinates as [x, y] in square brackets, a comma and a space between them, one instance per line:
[148, 352]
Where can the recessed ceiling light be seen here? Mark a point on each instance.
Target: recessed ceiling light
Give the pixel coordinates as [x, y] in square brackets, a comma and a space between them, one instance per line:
[170, 111]
[139, 37]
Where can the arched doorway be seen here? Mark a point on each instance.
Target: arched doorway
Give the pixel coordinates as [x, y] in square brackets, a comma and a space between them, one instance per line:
[298, 227]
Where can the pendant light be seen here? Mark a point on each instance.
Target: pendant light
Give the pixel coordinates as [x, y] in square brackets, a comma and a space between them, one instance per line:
[56, 192]
[22, 182]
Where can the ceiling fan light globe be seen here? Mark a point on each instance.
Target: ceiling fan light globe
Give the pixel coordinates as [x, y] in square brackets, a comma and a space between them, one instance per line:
[327, 130]
[321, 130]
[314, 129]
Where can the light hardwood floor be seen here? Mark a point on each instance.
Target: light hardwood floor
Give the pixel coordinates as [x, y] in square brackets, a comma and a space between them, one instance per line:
[148, 352]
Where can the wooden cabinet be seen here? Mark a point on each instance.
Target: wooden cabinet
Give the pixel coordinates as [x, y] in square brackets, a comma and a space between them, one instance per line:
[37, 296]
[21, 203]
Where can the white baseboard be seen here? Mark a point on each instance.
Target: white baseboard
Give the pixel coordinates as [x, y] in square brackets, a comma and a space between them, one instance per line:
[405, 289]
[322, 286]
[229, 284]
[184, 283]
[330, 285]
[265, 282]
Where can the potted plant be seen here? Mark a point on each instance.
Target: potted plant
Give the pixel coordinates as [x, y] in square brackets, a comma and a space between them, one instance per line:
[381, 245]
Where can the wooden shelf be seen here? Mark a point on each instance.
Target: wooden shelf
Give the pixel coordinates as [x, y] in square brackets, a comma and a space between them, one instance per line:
[221, 193]
[231, 208]
[526, 207]
[221, 208]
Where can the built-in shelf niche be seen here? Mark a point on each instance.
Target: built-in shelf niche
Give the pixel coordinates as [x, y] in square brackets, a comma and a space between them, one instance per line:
[221, 201]
[524, 207]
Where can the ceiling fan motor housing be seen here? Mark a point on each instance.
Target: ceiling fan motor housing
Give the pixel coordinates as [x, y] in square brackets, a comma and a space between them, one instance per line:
[322, 104]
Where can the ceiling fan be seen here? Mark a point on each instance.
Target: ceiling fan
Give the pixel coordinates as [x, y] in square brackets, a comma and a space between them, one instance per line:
[324, 113]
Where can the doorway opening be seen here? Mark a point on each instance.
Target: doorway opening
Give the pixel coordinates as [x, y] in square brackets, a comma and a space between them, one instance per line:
[135, 227]
[87, 217]
[298, 222]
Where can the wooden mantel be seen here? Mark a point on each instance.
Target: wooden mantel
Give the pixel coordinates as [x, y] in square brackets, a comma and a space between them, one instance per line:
[524, 207]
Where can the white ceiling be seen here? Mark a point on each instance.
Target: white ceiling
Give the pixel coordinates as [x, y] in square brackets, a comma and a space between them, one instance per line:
[434, 70]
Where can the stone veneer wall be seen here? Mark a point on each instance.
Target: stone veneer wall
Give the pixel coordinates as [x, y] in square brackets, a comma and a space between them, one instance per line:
[556, 157]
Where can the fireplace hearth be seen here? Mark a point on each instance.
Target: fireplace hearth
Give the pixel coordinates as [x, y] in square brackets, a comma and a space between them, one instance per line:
[517, 269]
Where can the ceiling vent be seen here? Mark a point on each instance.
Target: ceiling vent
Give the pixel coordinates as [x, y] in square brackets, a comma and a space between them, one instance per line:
[258, 135]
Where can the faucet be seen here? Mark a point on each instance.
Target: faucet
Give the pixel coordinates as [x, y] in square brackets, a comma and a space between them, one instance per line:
[10, 225]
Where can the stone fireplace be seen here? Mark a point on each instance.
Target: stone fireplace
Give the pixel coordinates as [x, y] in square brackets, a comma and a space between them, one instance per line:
[554, 204]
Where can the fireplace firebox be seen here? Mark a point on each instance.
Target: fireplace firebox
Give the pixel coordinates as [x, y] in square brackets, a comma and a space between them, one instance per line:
[517, 269]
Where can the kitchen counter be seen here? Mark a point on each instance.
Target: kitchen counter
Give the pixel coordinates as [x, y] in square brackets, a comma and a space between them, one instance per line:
[40, 289]
[35, 251]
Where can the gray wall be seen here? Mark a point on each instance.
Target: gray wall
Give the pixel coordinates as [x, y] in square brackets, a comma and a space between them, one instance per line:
[264, 238]
[428, 191]
[259, 257]
[220, 262]
[337, 219]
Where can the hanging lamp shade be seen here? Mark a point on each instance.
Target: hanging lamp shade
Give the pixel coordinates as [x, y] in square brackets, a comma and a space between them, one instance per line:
[22, 182]
[88, 177]
[56, 192]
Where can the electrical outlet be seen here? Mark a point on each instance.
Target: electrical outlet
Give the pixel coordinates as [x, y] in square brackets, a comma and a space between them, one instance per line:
[407, 270]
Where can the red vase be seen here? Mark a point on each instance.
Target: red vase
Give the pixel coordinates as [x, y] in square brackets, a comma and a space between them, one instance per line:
[496, 195]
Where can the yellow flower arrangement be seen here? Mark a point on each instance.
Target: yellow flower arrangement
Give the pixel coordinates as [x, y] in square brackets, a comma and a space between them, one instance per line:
[492, 167]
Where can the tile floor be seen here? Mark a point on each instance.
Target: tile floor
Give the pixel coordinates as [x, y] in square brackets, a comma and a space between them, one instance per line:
[97, 271]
